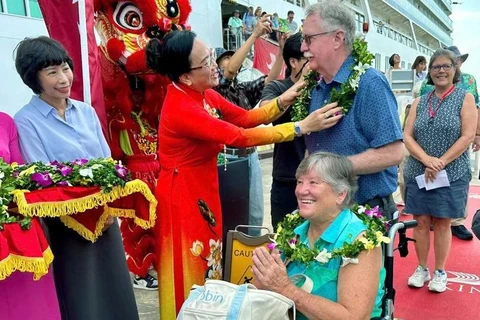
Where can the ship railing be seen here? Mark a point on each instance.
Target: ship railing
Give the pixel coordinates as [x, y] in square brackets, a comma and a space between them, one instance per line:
[232, 38]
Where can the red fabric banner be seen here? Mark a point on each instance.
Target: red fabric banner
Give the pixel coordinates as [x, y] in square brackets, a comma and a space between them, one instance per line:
[265, 55]
[24, 250]
[62, 21]
[86, 209]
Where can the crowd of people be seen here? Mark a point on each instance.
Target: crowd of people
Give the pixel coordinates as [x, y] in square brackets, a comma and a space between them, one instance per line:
[240, 29]
[322, 165]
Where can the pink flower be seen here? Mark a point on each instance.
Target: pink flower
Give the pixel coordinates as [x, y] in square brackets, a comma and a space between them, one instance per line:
[80, 162]
[386, 224]
[64, 170]
[62, 183]
[374, 212]
[42, 179]
[122, 172]
[292, 243]
[272, 245]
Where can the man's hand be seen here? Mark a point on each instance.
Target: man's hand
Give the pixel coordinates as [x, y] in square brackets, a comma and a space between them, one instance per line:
[476, 144]
[282, 37]
[263, 26]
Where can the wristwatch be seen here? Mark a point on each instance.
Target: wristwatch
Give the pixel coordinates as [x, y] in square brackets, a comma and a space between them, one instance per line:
[296, 127]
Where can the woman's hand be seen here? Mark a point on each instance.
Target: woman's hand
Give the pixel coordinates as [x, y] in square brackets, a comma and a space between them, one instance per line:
[320, 119]
[430, 175]
[433, 163]
[269, 270]
[287, 98]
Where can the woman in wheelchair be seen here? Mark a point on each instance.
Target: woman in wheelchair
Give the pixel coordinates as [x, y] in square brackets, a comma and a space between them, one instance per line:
[331, 289]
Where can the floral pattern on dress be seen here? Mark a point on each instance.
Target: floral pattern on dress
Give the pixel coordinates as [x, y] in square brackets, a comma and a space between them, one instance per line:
[467, 82]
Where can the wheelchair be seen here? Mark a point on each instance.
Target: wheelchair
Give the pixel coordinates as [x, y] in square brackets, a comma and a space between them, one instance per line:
[399, 227]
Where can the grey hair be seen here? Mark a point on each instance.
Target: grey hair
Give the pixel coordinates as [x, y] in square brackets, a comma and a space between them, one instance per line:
[334, 170]
[335, 16]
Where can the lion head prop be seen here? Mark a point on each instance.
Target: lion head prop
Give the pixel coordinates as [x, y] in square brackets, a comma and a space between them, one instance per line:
[125, 28]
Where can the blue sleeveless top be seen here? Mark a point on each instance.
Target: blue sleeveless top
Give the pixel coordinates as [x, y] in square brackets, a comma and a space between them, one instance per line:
[345, 228]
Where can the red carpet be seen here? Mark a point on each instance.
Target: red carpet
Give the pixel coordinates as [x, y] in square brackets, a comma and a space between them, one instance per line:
[462, 298]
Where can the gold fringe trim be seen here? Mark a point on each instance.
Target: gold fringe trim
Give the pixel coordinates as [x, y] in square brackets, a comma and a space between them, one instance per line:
[69, 207]
[64, 209]
[84, 232]
[37, 266]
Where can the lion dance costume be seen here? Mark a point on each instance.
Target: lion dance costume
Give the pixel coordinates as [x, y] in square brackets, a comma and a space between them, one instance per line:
[134, 96]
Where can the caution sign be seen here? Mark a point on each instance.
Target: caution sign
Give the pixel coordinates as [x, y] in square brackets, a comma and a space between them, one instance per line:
[239, 254]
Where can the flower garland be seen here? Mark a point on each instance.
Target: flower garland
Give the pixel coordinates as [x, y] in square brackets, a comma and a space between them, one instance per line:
[288, 242]
[6, 187]
[104, 173]
[344, 97]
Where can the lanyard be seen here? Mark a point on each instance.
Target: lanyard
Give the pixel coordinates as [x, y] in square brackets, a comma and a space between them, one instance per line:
[431, 112]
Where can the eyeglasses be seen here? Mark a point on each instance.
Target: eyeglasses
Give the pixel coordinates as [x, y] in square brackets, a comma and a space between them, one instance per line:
[209, 61]
[308, 38]
[446, 67]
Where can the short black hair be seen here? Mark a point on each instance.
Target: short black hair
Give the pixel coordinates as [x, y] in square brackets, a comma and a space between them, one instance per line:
[34, 54]
[172, 56]
[391, 60]
[291, 49]
[290, 12]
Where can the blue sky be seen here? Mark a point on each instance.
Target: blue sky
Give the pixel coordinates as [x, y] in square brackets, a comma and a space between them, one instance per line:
[466, 25]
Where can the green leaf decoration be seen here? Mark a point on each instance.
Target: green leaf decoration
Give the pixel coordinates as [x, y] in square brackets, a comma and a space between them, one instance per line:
[346, 94]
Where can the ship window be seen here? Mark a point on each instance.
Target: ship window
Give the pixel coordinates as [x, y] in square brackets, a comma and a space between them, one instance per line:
[1, 6]
[387, 63]
[35, 9]
[359, 19]
[378, 61]
[16, 7]
[403, 64]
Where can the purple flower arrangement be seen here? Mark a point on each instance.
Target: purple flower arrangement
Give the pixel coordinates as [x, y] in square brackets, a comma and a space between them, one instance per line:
[104, 173]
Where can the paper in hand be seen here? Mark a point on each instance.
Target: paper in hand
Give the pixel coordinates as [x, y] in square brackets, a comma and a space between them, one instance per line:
[441, 180]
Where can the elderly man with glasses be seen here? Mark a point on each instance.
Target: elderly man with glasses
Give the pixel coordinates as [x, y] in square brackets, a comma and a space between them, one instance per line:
[370, 134]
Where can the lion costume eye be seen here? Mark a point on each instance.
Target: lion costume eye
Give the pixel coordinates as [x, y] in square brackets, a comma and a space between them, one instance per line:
[128, 16]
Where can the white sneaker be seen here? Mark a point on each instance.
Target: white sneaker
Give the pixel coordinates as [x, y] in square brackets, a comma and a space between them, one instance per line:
[147, 283]
[419, 277]
[439, 281]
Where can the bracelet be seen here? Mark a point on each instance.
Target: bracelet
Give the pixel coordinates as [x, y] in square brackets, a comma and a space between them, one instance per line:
[277, 101]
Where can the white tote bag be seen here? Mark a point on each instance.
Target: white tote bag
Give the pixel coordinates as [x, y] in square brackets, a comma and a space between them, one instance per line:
[221, 300]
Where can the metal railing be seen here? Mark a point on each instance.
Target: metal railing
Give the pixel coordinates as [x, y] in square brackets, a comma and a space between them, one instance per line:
[232, 38]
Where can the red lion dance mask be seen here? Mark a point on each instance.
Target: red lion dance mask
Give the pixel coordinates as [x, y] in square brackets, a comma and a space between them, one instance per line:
[125, 27]
[134, 96]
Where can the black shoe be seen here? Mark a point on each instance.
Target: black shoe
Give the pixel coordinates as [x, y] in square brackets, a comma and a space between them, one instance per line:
[147, 283]
[461, 232]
